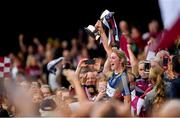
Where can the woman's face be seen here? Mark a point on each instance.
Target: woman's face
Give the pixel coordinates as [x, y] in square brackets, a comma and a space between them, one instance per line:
[33, 61]
[135, 33]
[102, 86]
[141, 71]
[59, 94]
[46, 92]
[123, 26]
[37, 98]
[35, 88]
[82, 78]
[91, 78]
[114, 61]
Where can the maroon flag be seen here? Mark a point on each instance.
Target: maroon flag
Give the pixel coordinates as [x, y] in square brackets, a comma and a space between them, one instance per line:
[123, 45]
[170, 12]
[170, 36]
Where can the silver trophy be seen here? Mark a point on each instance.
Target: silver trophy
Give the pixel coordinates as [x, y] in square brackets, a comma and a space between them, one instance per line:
[93, 32]
[108, 20]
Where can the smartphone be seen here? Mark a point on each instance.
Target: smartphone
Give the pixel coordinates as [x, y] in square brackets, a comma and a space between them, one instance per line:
[147, 66]
[165, 62]
[90, 61]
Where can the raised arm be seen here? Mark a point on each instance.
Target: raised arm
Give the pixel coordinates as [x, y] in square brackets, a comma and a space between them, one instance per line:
[37, 42]
[133, 60]
[21, 43]
[107, 67]
[80, 65]
[73, 77]
[104, 38]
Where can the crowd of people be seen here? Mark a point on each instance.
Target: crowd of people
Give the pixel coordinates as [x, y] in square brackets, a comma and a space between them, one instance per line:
[86, 78]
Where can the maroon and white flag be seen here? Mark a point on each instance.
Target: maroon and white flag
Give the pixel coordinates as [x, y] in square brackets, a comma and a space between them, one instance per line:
[170, 12]
[5, 65]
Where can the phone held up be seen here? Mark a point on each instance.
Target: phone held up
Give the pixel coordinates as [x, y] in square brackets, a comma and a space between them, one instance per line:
[147, 66]
[90, 61]
[165, 62]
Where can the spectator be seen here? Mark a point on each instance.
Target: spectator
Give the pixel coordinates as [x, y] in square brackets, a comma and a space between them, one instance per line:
[101, 87]
[115, 66]
[123, 26]
[46, 91]
[137, 39]
[176, 82]
[156, 97]
[33, 70]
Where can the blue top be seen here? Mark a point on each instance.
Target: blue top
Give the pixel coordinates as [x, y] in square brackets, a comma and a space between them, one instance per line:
[120, 81]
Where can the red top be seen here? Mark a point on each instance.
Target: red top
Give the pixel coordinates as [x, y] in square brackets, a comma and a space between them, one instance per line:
[123, 44]
[140, 43]
[33, 71]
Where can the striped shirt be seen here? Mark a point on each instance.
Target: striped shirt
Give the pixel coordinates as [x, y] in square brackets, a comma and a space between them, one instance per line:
[141, 86]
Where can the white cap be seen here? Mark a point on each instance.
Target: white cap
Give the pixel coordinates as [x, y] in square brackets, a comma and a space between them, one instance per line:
[51, 65]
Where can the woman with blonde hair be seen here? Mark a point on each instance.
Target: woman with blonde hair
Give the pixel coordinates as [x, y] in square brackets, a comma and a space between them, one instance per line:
[115, 69]
[33, 69]
[156, 97]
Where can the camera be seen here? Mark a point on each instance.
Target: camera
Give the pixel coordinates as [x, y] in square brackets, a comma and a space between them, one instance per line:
[90, 61]
[147, 66]
[165, 62]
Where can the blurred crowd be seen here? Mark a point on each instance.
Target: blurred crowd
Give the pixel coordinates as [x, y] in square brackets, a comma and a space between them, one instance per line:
[94, 79]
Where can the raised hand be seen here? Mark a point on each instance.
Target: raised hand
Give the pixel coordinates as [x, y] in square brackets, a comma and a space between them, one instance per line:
[21, 37]
[36, 40]
[129, 46]
[99, 26]
[82, 63]
[100, 95]
[70, 74]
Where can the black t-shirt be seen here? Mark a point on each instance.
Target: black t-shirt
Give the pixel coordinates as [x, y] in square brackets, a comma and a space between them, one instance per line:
[175, 87]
